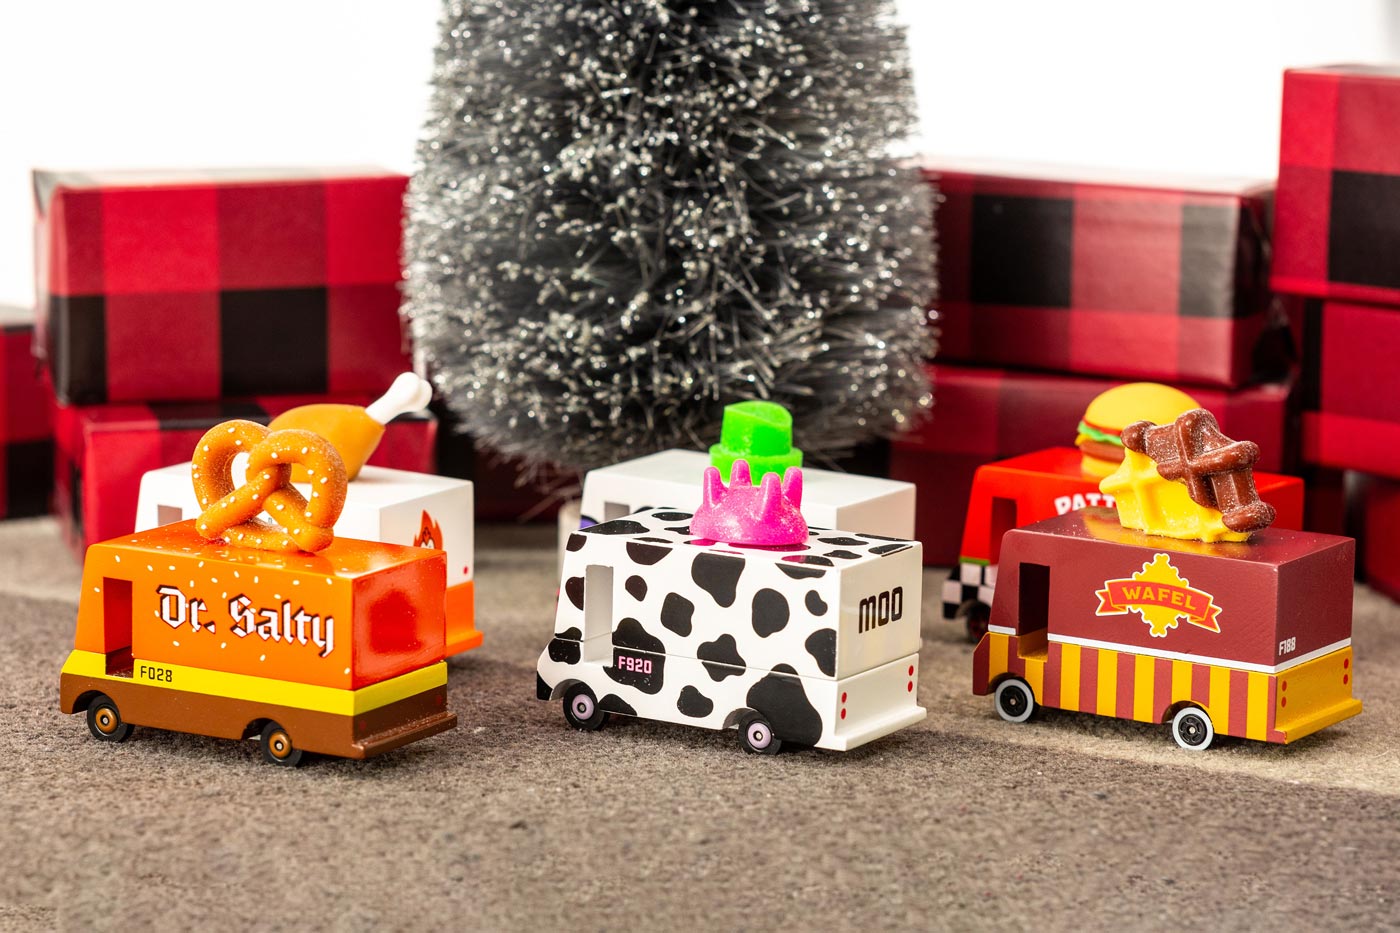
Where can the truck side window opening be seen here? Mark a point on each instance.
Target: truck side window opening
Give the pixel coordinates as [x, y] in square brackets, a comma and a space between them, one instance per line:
[116, 623]
[1003, 520]
[1034, 599]
[612, 510]
[597, 601]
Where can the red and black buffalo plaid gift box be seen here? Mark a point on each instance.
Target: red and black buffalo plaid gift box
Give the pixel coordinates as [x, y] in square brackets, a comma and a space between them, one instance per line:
[1352, 387]
[103, 451]
[26, 420]
[194, 286]
[1337, 226]
[1062, 271]
[982, 415]
[1378, 535]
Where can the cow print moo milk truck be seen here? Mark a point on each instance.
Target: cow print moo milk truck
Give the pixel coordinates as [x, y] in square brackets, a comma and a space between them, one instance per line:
[737, 615]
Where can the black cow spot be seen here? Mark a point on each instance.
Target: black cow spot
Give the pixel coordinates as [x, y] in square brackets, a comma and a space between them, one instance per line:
[801, 573]
[694, 704]
[637, 587]
[780, 698]
[676, 611]
[890, 548]
[841, 541]
[843, 555]
[770, 612]
[618, 526]
[717, 575]
[616, 704]
[630, 634]
[637, 658]
[543, 691]
[821, 645]
[815, 605]
[573, 588]
[574, 543]
[672, 516]
[721, 658]
[572, 632]
[680, 530]
[655, 540]
[565, 651]
[878, 537]
[809, 559]
[646, 554]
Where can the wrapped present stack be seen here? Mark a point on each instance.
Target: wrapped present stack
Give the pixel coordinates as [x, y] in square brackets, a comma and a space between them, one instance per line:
[169, 302]
[1056, 285]
[26, 420]
[1337, 244]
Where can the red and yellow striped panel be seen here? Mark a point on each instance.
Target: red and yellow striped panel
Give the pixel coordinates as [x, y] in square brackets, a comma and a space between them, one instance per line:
[1132, 686]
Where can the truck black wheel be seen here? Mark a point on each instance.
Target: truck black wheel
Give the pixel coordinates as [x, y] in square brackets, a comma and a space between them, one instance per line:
[277, 747]
[977, 616]
[756, 735]
[105, 721]
[581, 709]
[1014, 700]
[1192, 729]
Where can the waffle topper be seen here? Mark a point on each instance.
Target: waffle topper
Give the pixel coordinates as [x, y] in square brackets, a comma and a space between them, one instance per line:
[1188, 480]
[355, 431]
[766, 515]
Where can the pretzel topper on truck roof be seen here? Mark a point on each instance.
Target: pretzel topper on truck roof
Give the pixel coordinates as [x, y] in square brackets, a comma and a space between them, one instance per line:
[228, 626]
[736, 614]
[1183, 607]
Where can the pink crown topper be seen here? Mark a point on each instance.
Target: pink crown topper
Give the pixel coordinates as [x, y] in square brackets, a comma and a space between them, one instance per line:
[742, 513]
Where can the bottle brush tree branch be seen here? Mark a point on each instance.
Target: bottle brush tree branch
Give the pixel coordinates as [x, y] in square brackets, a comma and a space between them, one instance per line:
[627, 214]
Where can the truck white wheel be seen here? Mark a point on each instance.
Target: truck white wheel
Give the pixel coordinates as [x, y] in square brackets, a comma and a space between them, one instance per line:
[1192, 729]
[581, 709]
[1014, 700]
[756, 735]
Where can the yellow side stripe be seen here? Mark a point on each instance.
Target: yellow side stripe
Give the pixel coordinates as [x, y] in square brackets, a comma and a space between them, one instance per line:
[1069, 677]
[1108, 683]
[1256, 712]
[1143, 709]
[266, 689]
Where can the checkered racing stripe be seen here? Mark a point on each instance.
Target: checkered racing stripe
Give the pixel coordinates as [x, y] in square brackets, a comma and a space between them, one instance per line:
[214, 288]
[1337, 226]
[1072, 275]
[971, 582]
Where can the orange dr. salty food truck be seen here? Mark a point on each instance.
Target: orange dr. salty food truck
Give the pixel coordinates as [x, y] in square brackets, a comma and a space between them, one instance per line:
[338, 652]
[1249, 639]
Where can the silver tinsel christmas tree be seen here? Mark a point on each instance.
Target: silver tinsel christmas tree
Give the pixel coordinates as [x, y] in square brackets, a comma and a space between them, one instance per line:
[629, 213]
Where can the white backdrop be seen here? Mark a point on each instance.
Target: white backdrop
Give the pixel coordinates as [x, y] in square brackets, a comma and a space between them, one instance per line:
[1191, 85]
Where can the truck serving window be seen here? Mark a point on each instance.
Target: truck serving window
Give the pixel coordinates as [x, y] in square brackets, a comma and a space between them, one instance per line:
[597, 601]
[116, 624]
[1034, 609]
[1003, 520]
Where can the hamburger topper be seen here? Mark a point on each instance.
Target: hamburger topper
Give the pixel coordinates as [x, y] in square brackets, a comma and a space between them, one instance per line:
[766, 515]
[1100, 432]
[1188, 480]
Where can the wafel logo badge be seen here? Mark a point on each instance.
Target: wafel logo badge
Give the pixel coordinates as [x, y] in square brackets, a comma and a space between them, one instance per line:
[1161, 597]
[231, 512]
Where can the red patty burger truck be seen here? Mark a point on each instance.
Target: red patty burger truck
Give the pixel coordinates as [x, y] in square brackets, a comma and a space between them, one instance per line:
[1249, 639]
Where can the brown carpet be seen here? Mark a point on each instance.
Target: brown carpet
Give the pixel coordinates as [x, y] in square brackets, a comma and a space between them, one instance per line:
[515, 822]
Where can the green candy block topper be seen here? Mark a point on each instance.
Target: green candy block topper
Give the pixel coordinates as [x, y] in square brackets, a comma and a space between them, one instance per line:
[759, 432]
